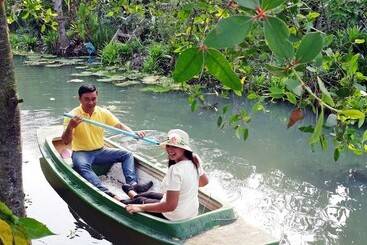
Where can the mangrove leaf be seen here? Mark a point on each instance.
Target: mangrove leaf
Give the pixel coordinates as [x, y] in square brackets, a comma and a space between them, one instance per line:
[315, 137]
[336, 154]
[325, 92]
[229, 32]
[276, 35]
[33, 228]
[309, 48]
[270, 4]
[220, 68]
[250, 4]
[188, 64]
[295, 86]
[352, 114]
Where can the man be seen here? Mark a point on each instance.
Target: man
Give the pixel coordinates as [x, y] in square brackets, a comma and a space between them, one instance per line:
[87, 141]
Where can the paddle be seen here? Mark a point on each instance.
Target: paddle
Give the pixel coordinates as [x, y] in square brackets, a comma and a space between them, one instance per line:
[116, 130]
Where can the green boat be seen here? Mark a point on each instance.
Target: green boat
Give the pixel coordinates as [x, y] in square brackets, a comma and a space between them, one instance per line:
[108, 216]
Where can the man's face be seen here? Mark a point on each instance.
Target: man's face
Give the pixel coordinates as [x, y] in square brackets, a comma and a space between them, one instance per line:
[88, 101]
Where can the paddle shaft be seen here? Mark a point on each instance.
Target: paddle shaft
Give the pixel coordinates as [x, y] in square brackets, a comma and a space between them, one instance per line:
[116, 130]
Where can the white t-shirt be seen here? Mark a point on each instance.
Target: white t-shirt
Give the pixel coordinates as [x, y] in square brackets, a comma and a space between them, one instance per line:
[183, 177]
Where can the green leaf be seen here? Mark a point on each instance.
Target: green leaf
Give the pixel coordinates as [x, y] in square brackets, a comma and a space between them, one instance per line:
[276, 35]
[33, 228]
[252, 96]
[351, 65]
[258, 107]
[318, 128]
[312, 15]
[294, 86]
[364, 137]
[225, 109]
[234, 118]
[241, 132]
[291, 98]
[336, 154]
[355, 150]
[307, 129]
[276, 71]
[229, 32]
[193, 105]
[276, 92]
[188, 64]
[359, 41]
[323, 143]
[309, 48]
[325, 92]
[250, 4]
[245, 134]
[6, 213]
[352, 114]
[220, 68]
[220, 121]
[270, 4]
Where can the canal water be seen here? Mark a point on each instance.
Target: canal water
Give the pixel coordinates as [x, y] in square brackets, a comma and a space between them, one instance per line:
[274, 180]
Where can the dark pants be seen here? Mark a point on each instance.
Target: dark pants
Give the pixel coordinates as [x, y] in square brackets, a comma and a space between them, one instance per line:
[146, 197]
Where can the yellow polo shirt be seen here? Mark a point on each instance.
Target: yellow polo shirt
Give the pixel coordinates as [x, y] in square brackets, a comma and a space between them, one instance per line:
[87, 137]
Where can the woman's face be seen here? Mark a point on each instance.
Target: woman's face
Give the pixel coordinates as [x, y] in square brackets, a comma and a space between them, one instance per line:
[175, 153]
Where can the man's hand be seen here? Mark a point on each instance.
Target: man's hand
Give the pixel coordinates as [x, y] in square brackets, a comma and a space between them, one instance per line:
[67, 135]
[75, 121]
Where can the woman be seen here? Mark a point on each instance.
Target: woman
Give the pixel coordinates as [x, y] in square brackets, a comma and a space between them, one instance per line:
[179, 197]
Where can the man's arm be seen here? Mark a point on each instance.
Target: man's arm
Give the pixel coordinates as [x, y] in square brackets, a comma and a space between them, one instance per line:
[67, 135]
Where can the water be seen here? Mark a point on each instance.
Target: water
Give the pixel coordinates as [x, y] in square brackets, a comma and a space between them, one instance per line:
[273, 179]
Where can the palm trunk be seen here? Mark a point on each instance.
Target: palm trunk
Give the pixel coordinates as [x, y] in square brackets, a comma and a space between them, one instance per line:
[11, 185]
[63, 41]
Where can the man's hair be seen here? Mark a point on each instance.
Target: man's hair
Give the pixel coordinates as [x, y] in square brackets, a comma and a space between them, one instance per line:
[86, 88]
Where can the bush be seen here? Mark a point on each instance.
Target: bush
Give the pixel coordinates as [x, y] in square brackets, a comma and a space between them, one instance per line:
[118, 53]
[50, 40]
[156, 54]
[23, 41]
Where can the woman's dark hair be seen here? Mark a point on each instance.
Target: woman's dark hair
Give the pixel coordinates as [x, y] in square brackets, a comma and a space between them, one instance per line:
[86, 88]
[187, 154]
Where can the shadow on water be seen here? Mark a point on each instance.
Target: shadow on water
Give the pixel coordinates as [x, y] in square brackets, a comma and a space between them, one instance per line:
[80, 224]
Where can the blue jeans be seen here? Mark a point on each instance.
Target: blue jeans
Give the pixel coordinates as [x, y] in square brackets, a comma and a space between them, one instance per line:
[83, 161]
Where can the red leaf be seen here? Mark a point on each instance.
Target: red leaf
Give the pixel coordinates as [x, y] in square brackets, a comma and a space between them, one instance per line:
[296, 115]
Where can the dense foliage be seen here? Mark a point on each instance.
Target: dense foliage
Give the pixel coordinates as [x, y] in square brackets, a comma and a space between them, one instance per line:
[308, 53]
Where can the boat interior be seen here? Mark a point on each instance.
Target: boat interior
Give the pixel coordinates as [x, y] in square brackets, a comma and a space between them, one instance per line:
[113, 177]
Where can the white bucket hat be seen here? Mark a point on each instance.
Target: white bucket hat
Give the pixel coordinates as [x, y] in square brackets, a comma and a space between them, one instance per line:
[177, 138]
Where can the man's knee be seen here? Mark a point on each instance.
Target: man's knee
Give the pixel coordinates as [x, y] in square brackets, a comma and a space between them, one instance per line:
[81, 166]
[126, 155]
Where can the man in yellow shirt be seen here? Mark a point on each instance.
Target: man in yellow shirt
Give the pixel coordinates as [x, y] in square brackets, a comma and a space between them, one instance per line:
[87, 141]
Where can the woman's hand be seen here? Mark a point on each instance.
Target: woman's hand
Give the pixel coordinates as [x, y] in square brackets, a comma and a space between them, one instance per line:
[133, 208]
[140, 133]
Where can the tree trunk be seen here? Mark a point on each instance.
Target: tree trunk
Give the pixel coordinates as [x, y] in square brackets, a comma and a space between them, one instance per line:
[63, 41]
[11, 185]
